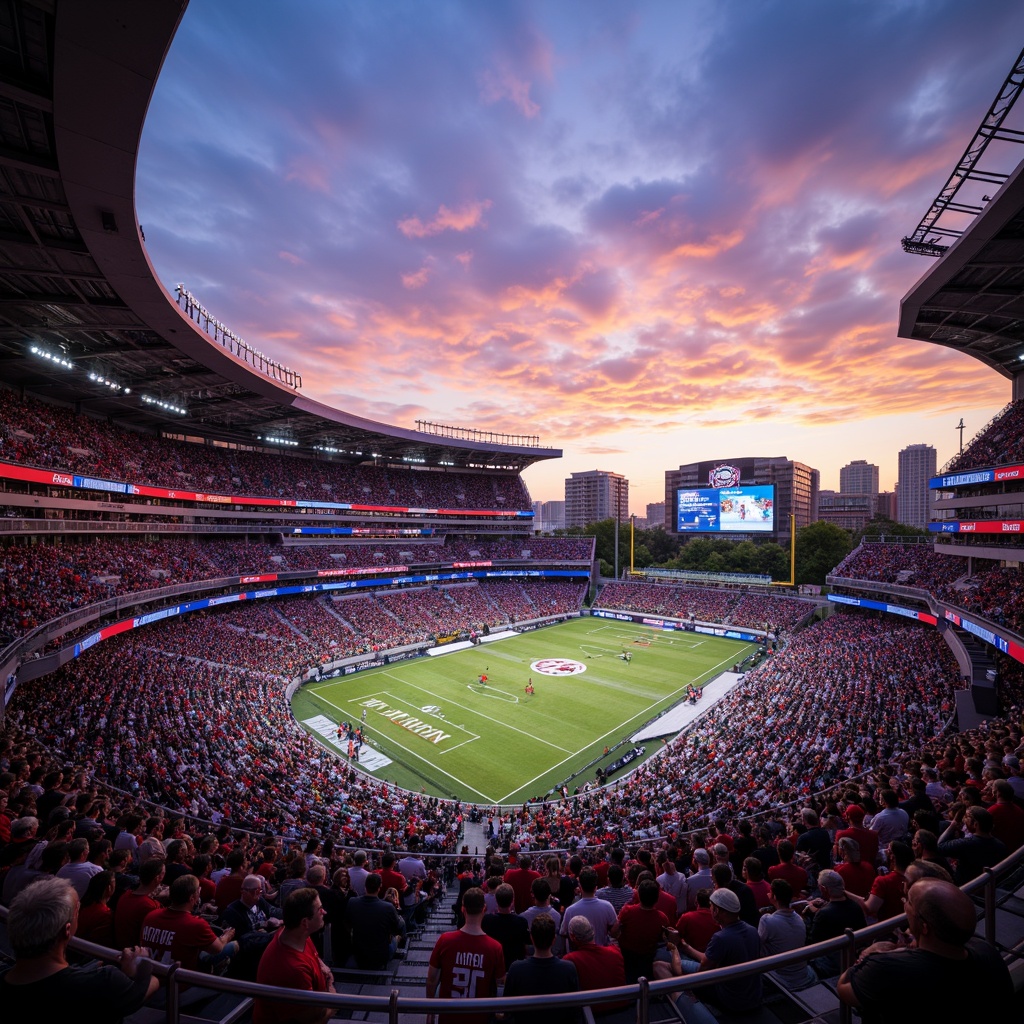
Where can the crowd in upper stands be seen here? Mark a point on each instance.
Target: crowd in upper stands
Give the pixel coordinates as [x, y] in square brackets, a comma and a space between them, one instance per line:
[41, 581]
[36, 433]
[909, 565]
[998, 444]
[706, 604]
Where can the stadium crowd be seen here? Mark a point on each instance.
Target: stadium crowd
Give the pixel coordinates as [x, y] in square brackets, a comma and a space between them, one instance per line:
[38, 434]
[41, 581]
[706, 604]
[813, 775]
[998, 444]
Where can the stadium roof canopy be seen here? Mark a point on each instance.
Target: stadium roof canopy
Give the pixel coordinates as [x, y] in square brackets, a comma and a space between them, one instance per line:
[82, 314]
[972, 300]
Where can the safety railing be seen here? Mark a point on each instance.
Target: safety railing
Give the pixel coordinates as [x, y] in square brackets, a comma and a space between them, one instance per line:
[174, 978]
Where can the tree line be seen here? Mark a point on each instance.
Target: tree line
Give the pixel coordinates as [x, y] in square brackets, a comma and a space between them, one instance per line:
[820, 547]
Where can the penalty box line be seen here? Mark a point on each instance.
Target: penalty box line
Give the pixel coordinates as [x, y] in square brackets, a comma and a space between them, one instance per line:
[419, 757]
[479, 714]
[610, 732]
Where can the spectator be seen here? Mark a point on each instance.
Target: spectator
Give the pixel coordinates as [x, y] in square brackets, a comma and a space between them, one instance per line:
[942, 976]
[40, 923]
[95, 918]
[599, 913]
[782, 931]
[734, 943]
[976, 850]
[377, 927]
[543, 974]
[596, 966]
[174, 933]
[466, 964]
[508, 927]
[290, 961]
[134, 906]
[832, 914]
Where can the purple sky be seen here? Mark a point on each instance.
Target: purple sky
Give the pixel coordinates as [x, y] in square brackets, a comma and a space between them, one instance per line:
[650, 233]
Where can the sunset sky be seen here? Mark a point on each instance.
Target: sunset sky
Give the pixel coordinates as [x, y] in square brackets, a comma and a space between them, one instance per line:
[650, 233]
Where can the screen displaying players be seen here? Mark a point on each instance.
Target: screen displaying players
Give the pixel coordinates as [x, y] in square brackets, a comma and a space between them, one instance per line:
[726, 510]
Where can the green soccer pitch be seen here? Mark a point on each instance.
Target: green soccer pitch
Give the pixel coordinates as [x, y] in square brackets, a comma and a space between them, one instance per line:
[450, 735]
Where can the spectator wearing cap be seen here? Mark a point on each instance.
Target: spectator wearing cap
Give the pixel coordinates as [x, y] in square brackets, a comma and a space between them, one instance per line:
[831, 915]
[736, 942]
[866, 838]
[597, 966]
[700, 878]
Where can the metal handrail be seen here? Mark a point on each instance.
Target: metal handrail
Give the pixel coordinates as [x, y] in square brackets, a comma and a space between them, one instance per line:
[175, 977]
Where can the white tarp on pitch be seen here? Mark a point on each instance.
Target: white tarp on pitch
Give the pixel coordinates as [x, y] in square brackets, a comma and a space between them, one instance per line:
[679, 717]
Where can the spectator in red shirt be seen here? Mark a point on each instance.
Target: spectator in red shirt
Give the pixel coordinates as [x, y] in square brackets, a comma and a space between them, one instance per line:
[888, 890]
[696, 927]
[133, 907]
[857, 874]
[1007, 817]
[521, 879]
[866, 838]
[177, 934]
[291, 961]
[389, 877]
[597, 966]
[639, 929]
[792, 873]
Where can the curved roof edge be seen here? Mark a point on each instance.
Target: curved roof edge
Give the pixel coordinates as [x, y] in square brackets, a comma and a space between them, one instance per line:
[972, 298]
[107, 56]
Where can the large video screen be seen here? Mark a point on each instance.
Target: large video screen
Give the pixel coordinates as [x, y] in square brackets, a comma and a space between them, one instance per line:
[726, 510]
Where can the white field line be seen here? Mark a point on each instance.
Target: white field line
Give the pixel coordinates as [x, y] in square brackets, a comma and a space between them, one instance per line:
[651, 633]
[479, 714]
[431, 764]
[617, 728]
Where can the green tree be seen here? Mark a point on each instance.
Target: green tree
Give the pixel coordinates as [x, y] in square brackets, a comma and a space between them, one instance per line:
[820, 547]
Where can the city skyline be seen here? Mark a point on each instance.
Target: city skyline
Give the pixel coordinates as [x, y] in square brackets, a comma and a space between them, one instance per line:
[649, 234]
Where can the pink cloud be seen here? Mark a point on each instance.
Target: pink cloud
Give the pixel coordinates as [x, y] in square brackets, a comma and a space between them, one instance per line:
[469, 215]
[504, 84]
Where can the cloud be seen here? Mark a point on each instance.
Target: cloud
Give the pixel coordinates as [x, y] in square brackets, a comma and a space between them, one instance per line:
[465, 217]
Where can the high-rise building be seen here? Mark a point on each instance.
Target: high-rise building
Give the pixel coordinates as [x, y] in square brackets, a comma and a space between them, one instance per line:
[595, 495]
[851, 511]
[655, 514]
[885, 506]
[549, 516]
[859, 477]
[796, 489]
[914, 499]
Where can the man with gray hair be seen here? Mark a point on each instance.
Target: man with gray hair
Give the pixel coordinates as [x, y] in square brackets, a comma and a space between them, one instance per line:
[597, 966]
[357, 873]
[831, 915]
[700, 878]
[41, 984]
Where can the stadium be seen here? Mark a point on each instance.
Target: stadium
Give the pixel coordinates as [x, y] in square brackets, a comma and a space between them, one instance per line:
[234, 614]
